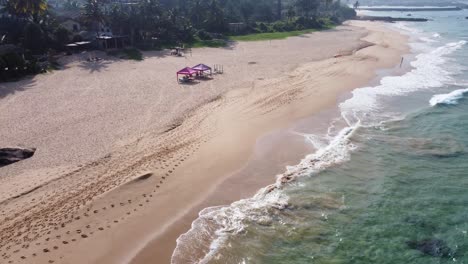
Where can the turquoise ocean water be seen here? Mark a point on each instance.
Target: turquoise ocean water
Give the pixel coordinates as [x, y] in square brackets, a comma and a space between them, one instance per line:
[388, 185]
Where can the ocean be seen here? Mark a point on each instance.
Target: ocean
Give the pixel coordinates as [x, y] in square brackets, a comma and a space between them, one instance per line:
[388, 183]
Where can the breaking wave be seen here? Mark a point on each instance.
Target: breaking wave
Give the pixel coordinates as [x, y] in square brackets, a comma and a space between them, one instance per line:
[428, 72]
[448, 99]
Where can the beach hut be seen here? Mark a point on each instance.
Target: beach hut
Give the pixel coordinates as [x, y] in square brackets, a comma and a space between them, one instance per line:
[187, 71]
[202, 68]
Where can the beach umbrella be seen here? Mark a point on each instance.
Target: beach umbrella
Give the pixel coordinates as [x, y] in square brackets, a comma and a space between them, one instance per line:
[186, 71]
[202, 68]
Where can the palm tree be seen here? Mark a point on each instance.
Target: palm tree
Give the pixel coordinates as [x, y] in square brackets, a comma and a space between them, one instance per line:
[279, 9]
[215, 21]
[308, 7]
[93, 14]
[26, 8]
[291, 13]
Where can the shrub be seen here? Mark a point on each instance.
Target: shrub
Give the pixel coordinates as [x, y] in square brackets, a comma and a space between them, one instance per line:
[34, 38]
[77, 38]
[62, 36]
[203, 35]
[346, 12]
[263, 27]
[13, 66]
[133, 54]
[279, 26]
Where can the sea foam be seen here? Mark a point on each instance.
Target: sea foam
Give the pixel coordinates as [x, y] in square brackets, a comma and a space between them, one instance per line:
[428, 72]
[217, 224]
[448, 99]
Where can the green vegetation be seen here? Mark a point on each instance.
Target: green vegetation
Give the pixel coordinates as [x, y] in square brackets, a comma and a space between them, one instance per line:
[213, 43]
[271, 36]
[127, 54]
[133, 54]
[37, 29]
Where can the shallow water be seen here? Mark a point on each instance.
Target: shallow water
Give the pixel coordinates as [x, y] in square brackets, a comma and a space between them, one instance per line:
[396, 178]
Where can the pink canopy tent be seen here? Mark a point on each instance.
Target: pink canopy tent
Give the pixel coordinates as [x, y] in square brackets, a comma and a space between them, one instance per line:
[186, 71]
[202, 68]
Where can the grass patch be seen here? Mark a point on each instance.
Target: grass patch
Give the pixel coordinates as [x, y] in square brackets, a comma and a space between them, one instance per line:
[271, 36]
[214, 43]
[280, 35]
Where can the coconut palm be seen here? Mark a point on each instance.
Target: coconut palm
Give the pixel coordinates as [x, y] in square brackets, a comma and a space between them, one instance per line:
[26, 8]
[93, 14]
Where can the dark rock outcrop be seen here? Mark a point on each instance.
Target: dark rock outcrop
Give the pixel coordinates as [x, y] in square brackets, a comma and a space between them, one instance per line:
[432, 247]
[12, 155]
[412, 9]
[390, 19]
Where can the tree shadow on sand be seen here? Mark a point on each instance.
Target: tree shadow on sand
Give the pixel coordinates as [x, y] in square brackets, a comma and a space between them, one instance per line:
[230, 45]
[192, 83]
[157, 53]
[95, 66]
[8, 88]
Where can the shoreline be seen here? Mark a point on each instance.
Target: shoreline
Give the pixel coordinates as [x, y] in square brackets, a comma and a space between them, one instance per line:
[139, 195]
[266, 176]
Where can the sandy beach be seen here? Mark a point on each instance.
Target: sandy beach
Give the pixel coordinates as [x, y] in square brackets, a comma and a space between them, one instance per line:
[126, 157]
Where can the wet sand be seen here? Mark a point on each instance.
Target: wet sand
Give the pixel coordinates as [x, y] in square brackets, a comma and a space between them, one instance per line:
[125, 156]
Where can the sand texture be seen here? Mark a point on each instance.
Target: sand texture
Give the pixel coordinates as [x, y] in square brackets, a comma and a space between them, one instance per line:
[124, 153]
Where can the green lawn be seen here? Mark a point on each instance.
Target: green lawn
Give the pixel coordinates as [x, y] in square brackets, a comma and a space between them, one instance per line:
[219, 43]
[271, 36]
[215, 43]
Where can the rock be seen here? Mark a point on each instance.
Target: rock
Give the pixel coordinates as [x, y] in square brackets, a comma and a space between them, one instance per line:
[420, 223]
[432, 247]
[12, 155]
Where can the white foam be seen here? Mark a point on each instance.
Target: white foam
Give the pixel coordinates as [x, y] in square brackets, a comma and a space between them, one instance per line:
[217, 224]
[448, 99]
[428, 72]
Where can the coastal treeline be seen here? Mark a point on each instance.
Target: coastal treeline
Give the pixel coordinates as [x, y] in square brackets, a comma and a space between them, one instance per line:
[32, 30]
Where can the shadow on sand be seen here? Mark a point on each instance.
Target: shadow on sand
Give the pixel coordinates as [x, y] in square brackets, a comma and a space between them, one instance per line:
[13, 87]
[157, 53]
[95, 66]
